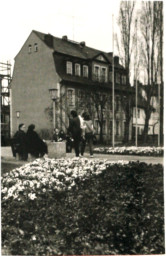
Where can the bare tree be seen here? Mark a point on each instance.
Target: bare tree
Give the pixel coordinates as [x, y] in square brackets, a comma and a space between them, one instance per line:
[95, 102]
[149, 17]
[160, 35]
[125, 44]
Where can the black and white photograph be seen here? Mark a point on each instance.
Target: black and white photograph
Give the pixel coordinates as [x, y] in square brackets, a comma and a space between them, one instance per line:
[82, 127]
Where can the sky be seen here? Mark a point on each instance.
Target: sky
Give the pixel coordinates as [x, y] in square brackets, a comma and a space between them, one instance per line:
[88, 20]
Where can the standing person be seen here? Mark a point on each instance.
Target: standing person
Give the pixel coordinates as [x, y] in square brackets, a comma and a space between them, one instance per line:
[36, 146]
[19, 143]
[75, 130]
[89, 130]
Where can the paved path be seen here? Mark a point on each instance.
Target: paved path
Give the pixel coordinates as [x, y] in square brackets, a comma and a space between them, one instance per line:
[6, 156]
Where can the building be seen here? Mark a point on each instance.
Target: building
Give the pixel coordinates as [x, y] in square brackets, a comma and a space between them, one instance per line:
[154, 121]
[77, 72]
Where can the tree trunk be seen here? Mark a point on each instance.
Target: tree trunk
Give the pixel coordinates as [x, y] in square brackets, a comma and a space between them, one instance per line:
[127, 125]
[101, 132]
[161, 114]
[146, 127]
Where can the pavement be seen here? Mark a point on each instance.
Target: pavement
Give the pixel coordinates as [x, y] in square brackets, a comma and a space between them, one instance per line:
[7, 157]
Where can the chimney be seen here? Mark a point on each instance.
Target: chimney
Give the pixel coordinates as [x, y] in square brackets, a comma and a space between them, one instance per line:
[64, 38]
[48, 40]
[82, 44]
[116, 60]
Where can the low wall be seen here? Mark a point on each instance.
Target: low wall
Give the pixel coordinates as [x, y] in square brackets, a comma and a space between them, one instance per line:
[56, 149]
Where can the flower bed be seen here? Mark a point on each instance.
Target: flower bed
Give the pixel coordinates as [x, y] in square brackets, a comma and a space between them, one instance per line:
[140, 151]
[83, 206]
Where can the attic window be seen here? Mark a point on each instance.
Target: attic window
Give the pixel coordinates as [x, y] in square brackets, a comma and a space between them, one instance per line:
[117, 78]
[77, 69]
[36, 47]
[29, 48]
[123, 79]
[85, 71]
[69, 67]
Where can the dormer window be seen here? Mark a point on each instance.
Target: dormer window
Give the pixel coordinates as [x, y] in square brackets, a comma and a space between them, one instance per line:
[100, 73]
[29, 48]
[36, 47]
[117, 78]
[85, 71]
[69, 67]
[123, 79]
[110, 76]
[103, 74]
[96, 73]
[77, 69]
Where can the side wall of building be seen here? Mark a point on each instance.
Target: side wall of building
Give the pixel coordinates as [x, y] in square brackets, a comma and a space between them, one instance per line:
[34, 74]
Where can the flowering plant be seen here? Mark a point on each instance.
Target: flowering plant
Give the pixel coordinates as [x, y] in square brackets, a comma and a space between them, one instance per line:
[141, 151]
[71, 206]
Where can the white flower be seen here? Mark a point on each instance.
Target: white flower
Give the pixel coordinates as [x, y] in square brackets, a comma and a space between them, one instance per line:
[34, 237]
[38, 185]
[32, 196]
[4, 190]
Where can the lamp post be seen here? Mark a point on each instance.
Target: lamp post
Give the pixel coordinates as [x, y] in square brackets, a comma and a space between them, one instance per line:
[113, 89]
[18, 116]
[53, 93]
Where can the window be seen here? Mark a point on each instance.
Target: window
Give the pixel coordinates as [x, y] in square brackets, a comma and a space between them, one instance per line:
[97, 73]
[138, 113]
[100, 73]
[85, 71]
[123, 79]
[110, 76]
[117, 78]
[103, 74]
[71, 97]
[111, 128]
[69, 67]
[117, 104]
[110, 99]
[36, 47]
[77, 69]
[29, 48]
[117, 127]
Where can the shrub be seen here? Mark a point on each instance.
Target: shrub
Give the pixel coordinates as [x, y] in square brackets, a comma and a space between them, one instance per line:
[83, 207]
[141, 151]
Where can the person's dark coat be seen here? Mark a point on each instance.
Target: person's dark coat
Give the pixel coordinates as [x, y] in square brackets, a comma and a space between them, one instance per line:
[19, 144]
[74, 127]
[36, 145]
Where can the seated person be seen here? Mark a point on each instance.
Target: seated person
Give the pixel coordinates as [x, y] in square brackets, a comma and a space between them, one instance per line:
[62, 135]
[36, 146]
[55, 136]
[59, 135]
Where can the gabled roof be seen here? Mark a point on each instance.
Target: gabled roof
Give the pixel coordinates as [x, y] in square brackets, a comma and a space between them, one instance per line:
[74, 49]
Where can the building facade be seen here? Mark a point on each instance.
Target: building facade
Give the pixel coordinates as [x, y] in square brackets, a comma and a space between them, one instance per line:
[82, 77]
[139, 118]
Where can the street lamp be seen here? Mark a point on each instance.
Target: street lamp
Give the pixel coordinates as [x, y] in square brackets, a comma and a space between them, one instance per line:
[53, 93]
[18, 116]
